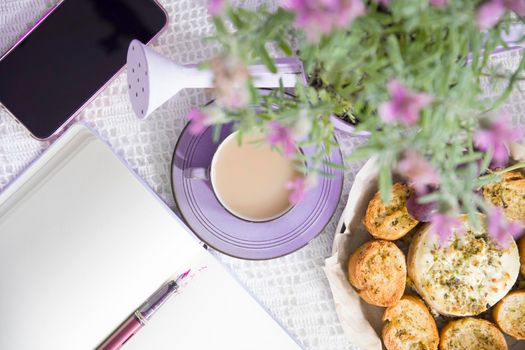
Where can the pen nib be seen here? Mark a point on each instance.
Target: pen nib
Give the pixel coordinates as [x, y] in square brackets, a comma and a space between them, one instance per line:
[183, 276]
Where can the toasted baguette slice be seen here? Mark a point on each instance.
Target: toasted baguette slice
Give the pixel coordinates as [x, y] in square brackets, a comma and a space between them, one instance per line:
[508, 193]
[377, 270]
[464, 277]
[471, 334]
[522, 255]
[509, 314]
[389, 221]
[408, 325]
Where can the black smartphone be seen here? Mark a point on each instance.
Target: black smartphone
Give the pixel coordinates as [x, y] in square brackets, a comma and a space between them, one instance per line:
[69, 55]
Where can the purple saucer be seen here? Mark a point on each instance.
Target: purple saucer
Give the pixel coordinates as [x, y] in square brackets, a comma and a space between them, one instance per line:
[237, 237]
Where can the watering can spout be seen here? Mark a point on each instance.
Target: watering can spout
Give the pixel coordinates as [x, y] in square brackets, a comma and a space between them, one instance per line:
[153, 78]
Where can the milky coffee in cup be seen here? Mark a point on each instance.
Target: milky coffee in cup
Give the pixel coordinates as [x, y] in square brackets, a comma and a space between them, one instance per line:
[249, 179]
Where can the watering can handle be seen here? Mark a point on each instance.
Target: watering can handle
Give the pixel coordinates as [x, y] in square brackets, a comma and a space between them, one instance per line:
[290, 70]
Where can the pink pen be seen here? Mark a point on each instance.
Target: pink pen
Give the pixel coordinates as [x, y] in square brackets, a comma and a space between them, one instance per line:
[142, 315]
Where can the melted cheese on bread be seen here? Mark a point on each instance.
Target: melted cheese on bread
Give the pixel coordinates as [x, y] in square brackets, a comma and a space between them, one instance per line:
[465, 277]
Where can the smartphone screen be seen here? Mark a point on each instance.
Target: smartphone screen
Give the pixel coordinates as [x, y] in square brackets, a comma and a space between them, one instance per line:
[69, 56]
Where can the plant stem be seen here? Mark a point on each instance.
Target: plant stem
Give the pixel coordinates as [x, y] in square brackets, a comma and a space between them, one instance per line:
[501, 76]
[506, 170]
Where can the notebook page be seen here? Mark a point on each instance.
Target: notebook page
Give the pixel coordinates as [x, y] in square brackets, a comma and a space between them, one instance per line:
[82, 244]
[211, 312]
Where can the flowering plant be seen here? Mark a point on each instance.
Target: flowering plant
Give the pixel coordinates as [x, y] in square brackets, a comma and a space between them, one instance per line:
[407, 72]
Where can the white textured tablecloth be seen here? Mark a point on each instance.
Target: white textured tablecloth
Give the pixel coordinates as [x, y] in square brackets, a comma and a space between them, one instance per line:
[293, 288]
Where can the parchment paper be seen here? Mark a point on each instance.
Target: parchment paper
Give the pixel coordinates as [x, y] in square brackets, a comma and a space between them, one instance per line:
[362, 322]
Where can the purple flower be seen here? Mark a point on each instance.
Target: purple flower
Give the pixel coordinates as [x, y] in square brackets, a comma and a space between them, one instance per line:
[422, 212]
[198, 121]
[444, 226]
[404, 105]
[493, 139]
[215, 7]
[420, 173]
[318, 17]
[298, 187]
[438, 3]
[500, 229]
[382, 2]
[280, 135]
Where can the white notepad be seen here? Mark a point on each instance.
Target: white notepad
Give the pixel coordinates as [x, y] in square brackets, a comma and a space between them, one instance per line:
[212, 312]
[83, 242]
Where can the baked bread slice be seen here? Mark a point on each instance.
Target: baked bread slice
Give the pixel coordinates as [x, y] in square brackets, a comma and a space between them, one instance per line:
[471, 334]
[464, 277]
[408, 325]
[508, 193]
[509, 314]
[389, 221]
[377, 270]
[522, 255]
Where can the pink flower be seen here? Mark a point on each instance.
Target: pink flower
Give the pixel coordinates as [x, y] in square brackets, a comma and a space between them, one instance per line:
[298, 187]
[215, 7]
[444, 226]
[493, 139]
[230, 78]
[198, 121]
[500, 229]
[318, 17]
[280, 135]
[439, 3]
[418, 170]
[302, 126]
[517, 6]
[404, 105]
[490, 12]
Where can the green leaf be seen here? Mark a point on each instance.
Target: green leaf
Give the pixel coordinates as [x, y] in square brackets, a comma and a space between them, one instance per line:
[236, 20]
[254, 93]
[394, 53]
[334, 165]
[217, 128]
[219, 26]
[469, 158]
[486, 179]
[385, 183]
[267, 60]
[429, 198]
[487, 158]
[313, 96]
[281, 88]
[283, 45]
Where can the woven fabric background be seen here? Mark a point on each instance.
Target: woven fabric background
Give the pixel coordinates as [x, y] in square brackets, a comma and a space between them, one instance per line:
[293, 288]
